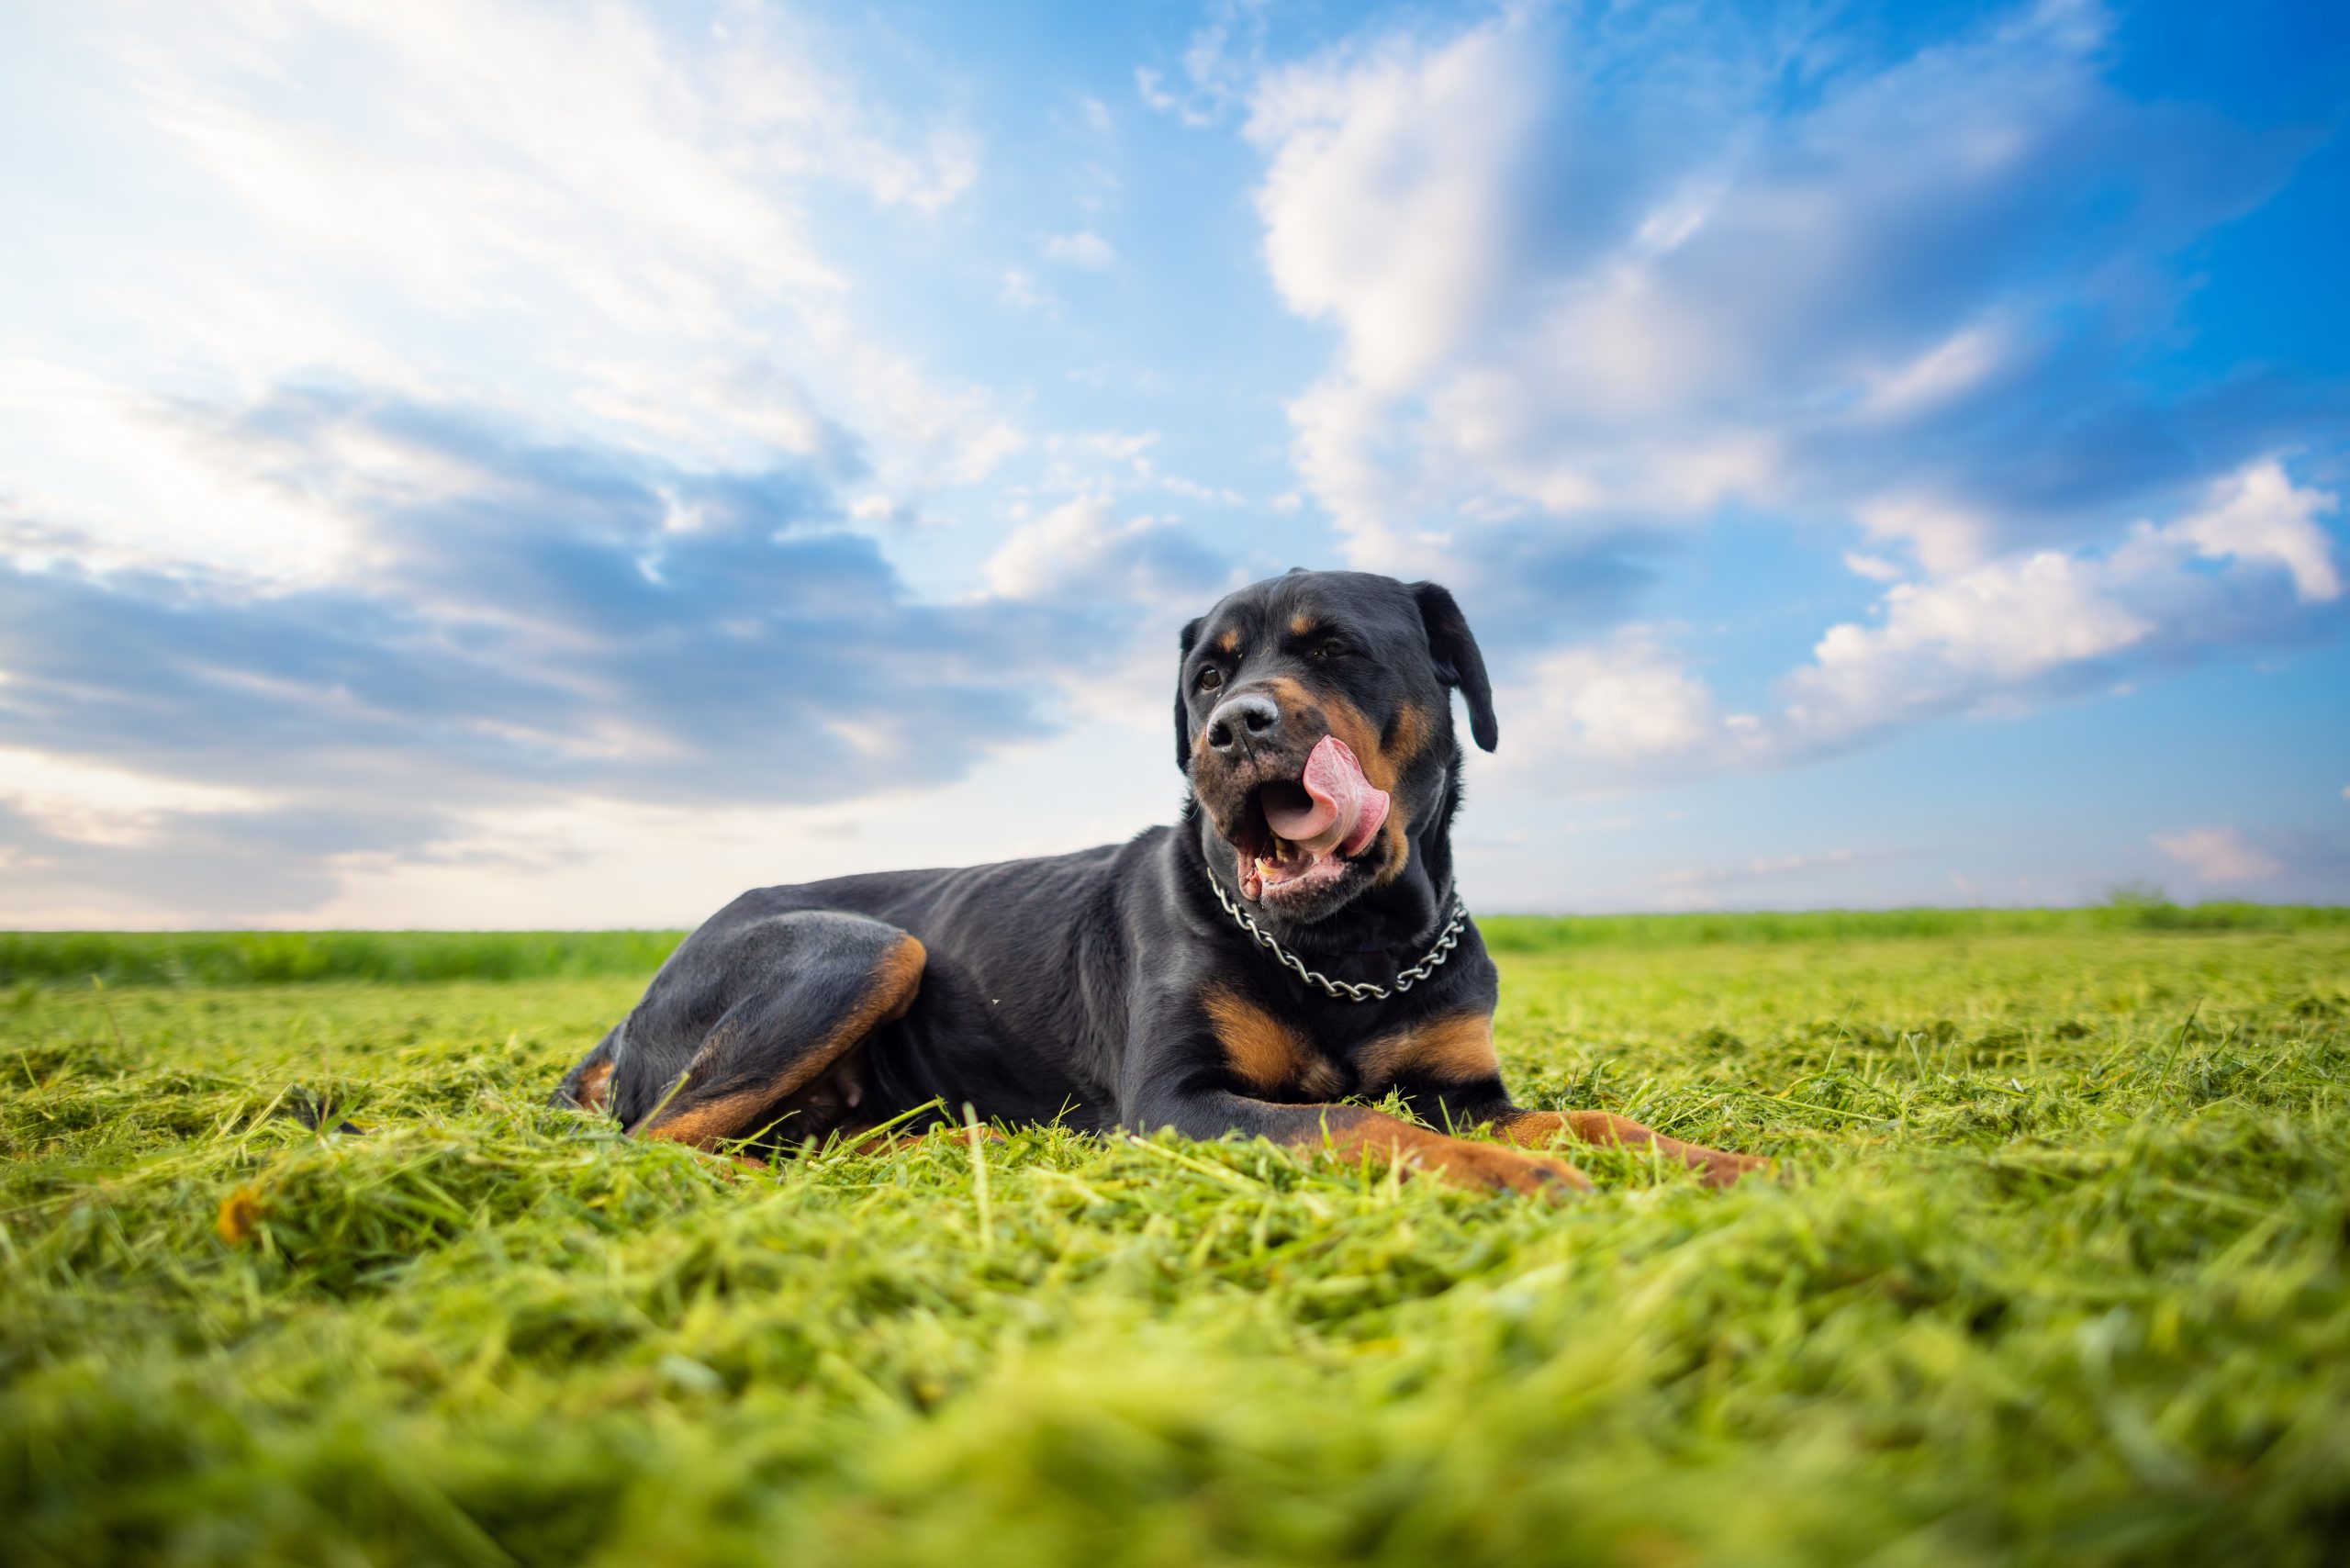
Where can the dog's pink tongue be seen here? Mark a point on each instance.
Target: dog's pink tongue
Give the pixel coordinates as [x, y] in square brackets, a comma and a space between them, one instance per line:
[1343, 812]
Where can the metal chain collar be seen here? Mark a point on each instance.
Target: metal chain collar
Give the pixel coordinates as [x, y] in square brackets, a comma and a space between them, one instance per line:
[1350, 991]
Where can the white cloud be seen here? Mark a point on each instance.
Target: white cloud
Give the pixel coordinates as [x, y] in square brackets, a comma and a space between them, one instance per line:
[1135, 578]
[2219, 854]
[1949, 369]
[1952, 643]
[1211, 76]
[1118, 446]
[1627, 706]
[529, 622]
[1601, 712]
[1876, 568]
[1081, 549]
[1387, 201]
[497, 143]
[938, 432]
[1587, 266]
[1544, 326]
[132, 486]
[2002, 632]
[98, 803]
[1945, 535]
[1149, 87]
[1083, 249]
[1213, 495]
[1018, 289]
[722, 409]
[2259, 515]
[513, 194]
[1629, 709]
[1998, 638]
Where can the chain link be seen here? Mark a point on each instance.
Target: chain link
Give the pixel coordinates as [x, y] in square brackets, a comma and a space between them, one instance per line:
[1352, 991]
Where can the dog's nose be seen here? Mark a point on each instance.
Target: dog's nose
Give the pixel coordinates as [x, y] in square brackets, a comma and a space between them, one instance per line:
[1244, 723]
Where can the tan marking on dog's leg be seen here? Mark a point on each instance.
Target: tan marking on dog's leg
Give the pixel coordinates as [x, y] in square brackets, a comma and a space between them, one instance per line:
[1536, 1130]
[592, 1084]
[1353, 1132]
[894, 982]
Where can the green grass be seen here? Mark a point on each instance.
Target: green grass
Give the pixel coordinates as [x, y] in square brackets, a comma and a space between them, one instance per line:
[276, 958]
[2057, 1275]
[270, 958]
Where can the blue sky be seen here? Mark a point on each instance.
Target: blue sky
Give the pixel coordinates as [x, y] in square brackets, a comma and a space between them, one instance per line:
[474, 463]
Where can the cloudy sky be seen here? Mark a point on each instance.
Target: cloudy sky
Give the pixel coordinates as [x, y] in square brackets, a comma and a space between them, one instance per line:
[475, 464]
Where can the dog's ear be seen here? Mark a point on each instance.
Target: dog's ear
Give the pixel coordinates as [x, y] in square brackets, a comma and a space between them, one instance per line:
[1458, 662]
[1183, 713]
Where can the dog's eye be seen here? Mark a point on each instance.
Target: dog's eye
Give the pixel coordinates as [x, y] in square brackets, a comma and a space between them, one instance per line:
[1330, 649]
[1210, 679]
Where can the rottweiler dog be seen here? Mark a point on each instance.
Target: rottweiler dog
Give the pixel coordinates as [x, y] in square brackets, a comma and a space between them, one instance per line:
[1292, 945]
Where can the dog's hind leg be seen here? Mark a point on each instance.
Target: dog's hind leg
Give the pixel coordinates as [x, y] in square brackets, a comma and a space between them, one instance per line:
[587, 1087]
[758, 1031]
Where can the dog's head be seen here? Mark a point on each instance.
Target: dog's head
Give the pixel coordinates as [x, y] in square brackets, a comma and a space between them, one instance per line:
[1314, 717]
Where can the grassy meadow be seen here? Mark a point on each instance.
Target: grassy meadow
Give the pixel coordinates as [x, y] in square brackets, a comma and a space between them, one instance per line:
[2054, 1273]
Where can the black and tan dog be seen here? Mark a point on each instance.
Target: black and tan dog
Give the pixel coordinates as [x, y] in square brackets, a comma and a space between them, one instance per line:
[1293, 943]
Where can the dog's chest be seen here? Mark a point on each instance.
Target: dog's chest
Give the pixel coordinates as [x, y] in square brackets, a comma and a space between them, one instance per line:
[1276, 1058]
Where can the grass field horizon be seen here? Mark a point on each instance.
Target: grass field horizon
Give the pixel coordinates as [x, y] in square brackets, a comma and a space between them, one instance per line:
[2054, 1273]
[233, 956]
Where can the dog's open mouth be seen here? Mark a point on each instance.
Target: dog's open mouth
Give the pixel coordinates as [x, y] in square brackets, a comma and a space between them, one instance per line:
[1298, 835]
